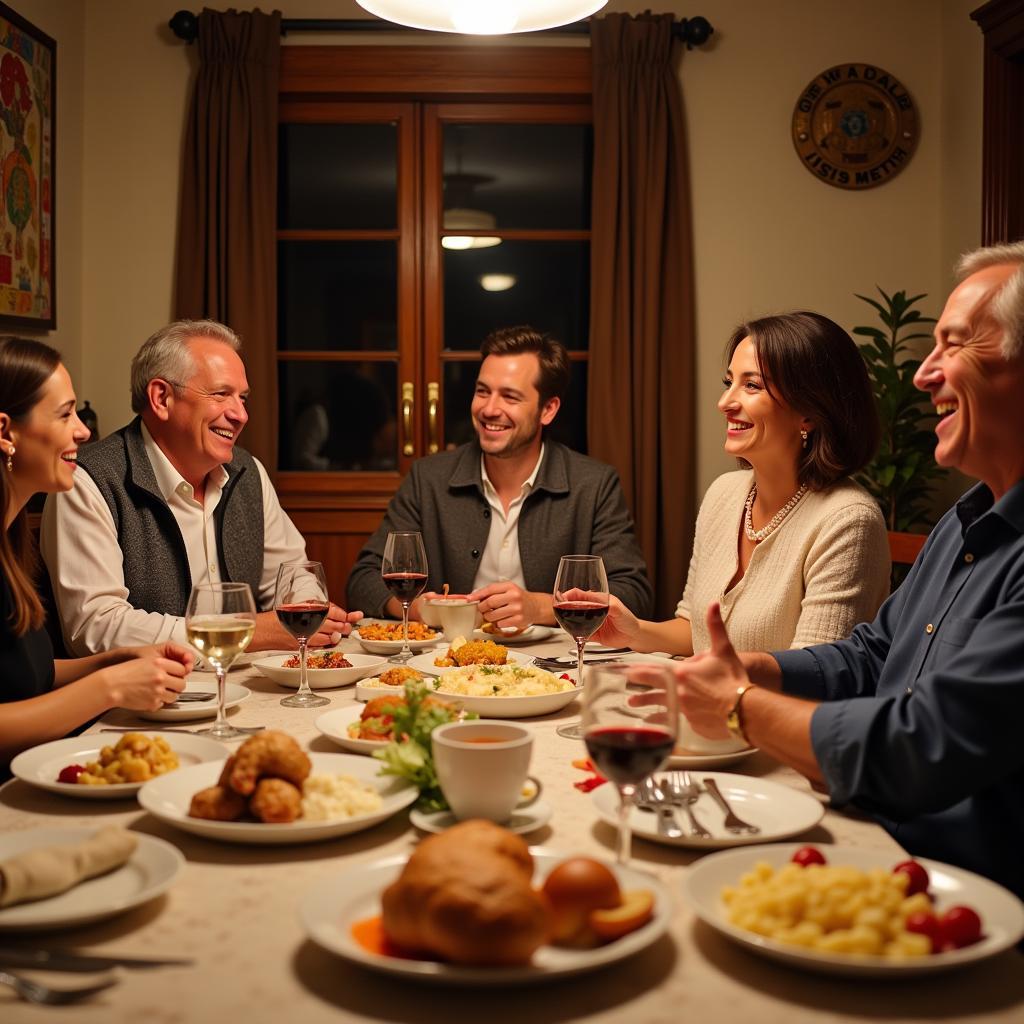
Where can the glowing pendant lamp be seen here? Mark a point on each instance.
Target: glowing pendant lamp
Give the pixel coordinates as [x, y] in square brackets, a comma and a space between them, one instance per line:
[482, 17]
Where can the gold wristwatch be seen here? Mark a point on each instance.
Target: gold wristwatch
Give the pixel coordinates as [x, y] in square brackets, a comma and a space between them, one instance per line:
[734, 720]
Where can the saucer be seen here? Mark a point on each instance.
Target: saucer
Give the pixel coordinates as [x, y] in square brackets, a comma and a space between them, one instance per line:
[527, 819]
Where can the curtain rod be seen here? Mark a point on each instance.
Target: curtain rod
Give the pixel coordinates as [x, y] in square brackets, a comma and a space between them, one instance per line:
[185, 25]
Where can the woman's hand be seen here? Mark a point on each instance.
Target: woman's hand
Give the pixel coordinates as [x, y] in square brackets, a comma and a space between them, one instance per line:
[147, 681]
[168, 649]
[621, 628]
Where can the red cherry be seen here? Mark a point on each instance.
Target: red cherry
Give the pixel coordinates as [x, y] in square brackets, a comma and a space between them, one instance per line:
[924, 922]
[71, 773]
[919, 880]
[808, 855]
[565, 675]
[961, 927]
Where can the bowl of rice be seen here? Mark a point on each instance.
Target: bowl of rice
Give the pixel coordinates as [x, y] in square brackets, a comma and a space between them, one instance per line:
[505, 691]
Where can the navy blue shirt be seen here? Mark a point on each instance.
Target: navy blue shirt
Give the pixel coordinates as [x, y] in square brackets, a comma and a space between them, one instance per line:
[923, 708]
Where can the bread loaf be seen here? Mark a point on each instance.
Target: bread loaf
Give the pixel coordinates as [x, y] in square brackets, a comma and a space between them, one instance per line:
[466, 896]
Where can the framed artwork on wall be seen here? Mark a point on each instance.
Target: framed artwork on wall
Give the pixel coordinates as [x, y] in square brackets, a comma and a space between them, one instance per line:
[28, 63]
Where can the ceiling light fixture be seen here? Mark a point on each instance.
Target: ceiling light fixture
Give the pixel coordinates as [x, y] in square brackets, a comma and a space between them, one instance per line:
[497, 282]
[482, 17]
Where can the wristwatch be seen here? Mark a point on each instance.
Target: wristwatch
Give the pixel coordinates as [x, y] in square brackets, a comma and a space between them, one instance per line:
[734, 720]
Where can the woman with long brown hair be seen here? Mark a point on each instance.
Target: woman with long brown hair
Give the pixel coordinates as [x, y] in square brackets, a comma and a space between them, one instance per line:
[42, 699]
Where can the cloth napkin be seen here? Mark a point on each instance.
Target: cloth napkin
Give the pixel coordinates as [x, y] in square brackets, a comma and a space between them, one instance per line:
[49, 870]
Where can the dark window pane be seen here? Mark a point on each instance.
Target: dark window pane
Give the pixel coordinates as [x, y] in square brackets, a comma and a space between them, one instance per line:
[551, 292]
[337, 295]
[337, 176]
[524, 175]
[337, 416]
[569, 427]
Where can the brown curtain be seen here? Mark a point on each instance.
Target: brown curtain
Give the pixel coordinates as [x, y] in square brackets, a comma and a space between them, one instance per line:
[640, 389]
[227, 246]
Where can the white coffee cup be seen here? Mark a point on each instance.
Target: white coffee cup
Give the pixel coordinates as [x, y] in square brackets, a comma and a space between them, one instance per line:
[482, 766]
[691, 741]
[457, 616]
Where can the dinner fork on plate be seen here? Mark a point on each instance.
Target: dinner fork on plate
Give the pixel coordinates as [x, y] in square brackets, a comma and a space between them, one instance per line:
[685, 793]
[35, 992]
[733, 822]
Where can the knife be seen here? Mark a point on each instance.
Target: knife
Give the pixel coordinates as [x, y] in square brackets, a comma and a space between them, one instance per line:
[59, 960]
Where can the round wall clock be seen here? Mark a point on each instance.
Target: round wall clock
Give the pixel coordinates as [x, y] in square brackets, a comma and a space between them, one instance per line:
[855, 126]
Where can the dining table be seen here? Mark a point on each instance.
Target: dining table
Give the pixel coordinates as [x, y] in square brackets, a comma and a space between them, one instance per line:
[234, 912]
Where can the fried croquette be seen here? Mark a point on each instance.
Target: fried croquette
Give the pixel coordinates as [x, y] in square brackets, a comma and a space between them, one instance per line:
[270, 753]
[217, 803]
[474, 652]
[276, 801]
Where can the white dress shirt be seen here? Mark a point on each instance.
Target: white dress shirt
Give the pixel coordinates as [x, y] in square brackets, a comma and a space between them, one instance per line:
[500, 559]
[79, 546]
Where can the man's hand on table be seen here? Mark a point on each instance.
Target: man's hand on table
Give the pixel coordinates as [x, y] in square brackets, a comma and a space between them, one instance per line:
[508, 605]
[272, 636]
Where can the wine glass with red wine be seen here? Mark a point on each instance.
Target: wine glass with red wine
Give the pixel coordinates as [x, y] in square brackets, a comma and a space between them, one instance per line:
[627, 741]
[301, 604]
[404, 570]
[581, 606]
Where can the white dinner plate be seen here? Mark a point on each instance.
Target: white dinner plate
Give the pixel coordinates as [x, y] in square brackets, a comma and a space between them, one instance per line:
[168, 799]
[1002, 914]
[40, 766]
[425, 662]
[334, 725]
[233, 694]
[329, 910]
[530, 635]
[319, 678]
[681, 758]
[779, 810]
[394, 646]
[524, 819]
[147, 873]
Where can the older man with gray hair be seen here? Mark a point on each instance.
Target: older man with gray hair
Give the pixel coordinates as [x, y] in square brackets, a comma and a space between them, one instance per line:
[170, 501]
[917, 717]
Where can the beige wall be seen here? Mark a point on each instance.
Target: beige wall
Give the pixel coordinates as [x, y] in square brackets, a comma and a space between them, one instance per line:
[768, 235]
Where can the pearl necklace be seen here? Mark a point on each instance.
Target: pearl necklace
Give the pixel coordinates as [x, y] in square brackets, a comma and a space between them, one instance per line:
[776, 520]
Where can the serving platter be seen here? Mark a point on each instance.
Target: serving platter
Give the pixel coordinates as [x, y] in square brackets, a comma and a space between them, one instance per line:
[425, 662]
[1002, 914]
[329, 910]
[168, 798]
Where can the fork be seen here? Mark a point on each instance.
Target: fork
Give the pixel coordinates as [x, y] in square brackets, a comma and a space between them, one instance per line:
[651, 797]
[685, 793]
[34, 992]
[733, 822]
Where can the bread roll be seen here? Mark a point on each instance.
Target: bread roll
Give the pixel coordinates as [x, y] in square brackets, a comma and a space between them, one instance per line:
[466, 896]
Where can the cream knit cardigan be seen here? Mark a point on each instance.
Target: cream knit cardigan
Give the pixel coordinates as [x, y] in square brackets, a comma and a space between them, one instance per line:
[825, 569]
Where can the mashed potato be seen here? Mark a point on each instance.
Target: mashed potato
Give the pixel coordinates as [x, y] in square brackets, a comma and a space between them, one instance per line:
[328, 797]
[500, 681]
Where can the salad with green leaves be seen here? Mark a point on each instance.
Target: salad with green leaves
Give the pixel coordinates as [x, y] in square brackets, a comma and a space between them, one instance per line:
[409, 754]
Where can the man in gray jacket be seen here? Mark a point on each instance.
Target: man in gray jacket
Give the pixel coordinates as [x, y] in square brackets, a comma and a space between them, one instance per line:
[497, 514]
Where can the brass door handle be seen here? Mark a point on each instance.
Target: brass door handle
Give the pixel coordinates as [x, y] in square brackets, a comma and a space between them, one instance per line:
[433, 394]
[408, 395]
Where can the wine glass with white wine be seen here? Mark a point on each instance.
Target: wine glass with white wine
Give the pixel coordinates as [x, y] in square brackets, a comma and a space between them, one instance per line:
[220, 621]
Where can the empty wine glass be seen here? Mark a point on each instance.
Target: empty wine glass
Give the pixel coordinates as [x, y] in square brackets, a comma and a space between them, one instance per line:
[404, 570]
[629, 741]
[581, 606]
[220, 621]
[301, 604]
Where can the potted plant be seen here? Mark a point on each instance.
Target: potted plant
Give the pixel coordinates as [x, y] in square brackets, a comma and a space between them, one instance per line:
[901, 475]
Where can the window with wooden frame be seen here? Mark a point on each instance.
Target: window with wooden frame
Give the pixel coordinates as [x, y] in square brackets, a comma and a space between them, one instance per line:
[426, 197]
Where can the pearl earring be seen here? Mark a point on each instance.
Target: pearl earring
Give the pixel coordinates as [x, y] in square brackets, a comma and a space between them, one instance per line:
[10, 460]
[803, 437]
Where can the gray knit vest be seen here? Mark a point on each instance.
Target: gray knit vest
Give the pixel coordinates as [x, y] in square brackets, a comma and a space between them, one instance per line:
[156, 569]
